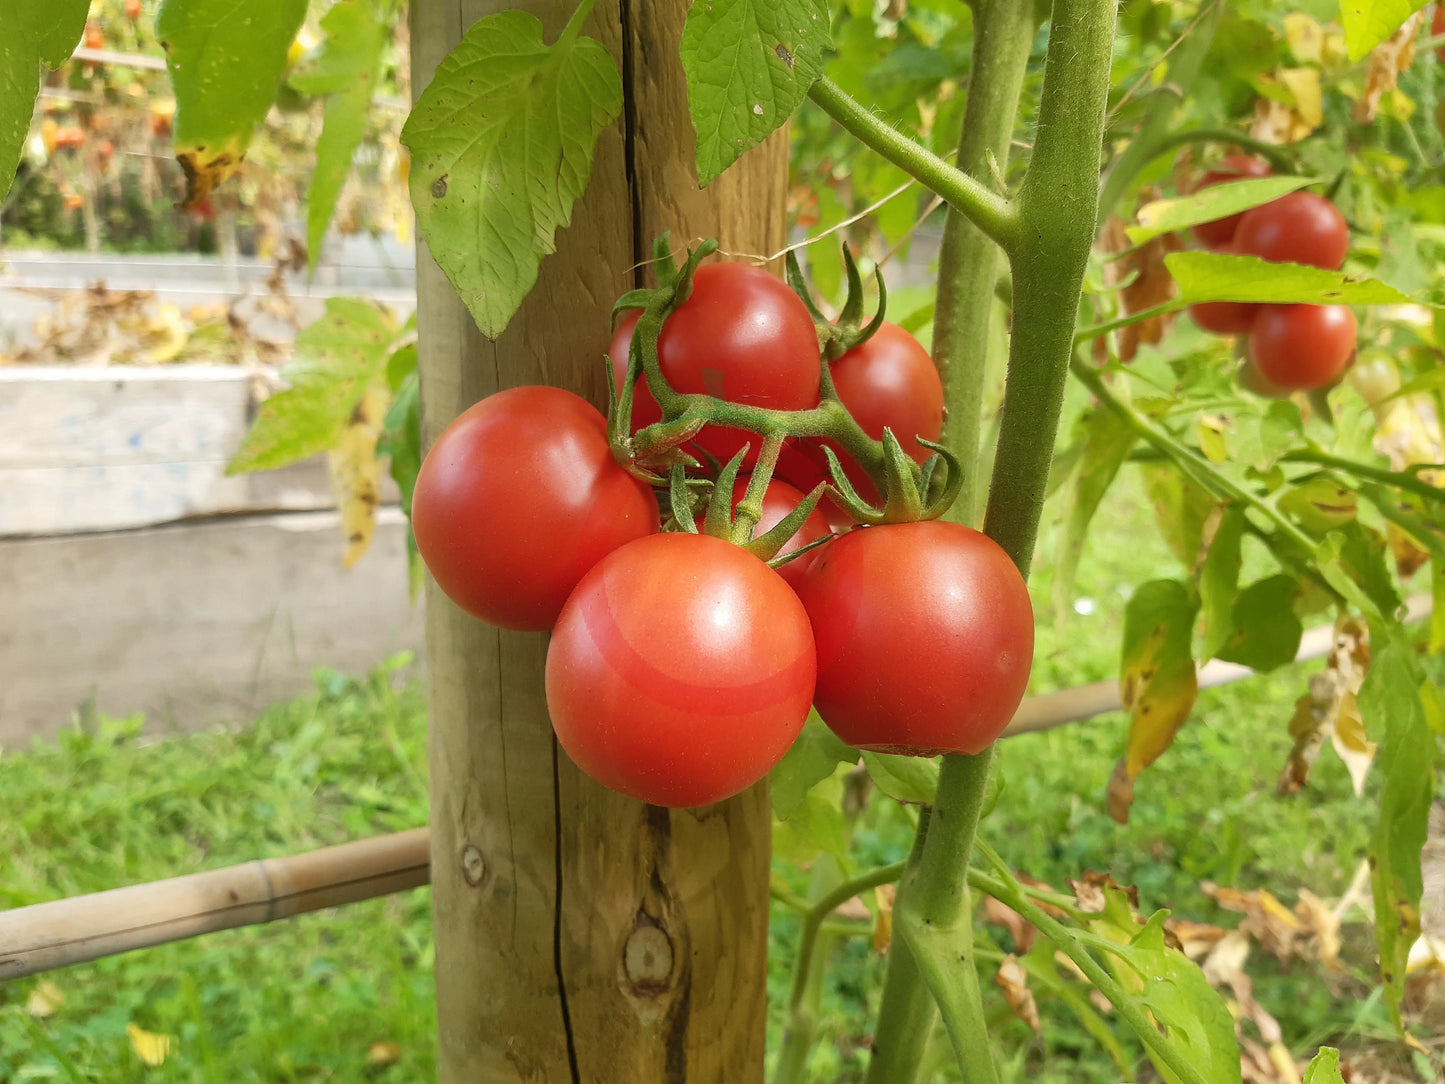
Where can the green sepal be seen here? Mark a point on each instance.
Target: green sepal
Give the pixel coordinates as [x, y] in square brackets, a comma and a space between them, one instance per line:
[633, 299]
[719, 522]
[848, 497]
[681, 499]
[776, 563]
[952, 482]
[853, 303]
[767, 544]
[794, 274]
[902, 502]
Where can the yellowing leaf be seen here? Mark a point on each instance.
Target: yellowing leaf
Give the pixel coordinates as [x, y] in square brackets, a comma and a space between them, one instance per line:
[1305, 36]
[356, 474]
[1014, 981]
[1387, 60]
[1157, 683]
[45, 1000]
[383, 1053]
[1329, 710]
[884, 895]
[151, 1048]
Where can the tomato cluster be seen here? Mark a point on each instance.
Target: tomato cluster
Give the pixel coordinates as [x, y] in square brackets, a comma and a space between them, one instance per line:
[1290, 347]
[681, 666]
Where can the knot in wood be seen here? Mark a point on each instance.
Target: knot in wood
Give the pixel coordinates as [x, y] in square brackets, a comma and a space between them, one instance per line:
[647, 958]
[474, 865]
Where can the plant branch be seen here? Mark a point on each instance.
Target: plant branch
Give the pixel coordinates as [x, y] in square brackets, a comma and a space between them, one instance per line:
[1007, 890]
[968, 260]
[1278, 156]
[1409, 483]
[992, 213]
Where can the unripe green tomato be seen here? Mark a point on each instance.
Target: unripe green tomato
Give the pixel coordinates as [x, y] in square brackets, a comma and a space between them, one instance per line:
[1375, 376]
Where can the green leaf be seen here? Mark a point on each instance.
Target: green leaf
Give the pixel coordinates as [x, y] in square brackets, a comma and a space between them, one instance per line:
[400, 441]
[1157, 681]
[1391, 707]
[501, 144]
[1218, 201]
[36, 32]
[749, 64]
[812, 758]
[1324, 1067]
[1364, 555]
[338, 358]
[345, 68]
[225, 58]
[1369, 22]
[816, 825]
[1181, 508]
[904, 779]
[1218, 276]
[1105, 441]
[1330, 564]
[1266, 629]
[1218, 581]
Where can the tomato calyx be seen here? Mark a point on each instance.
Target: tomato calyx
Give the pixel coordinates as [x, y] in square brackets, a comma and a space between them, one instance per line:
[837, 337]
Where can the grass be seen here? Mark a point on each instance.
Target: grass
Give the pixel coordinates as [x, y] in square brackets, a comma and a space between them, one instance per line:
[308, 999]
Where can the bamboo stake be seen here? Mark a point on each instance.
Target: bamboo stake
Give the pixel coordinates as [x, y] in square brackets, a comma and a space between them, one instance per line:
[47, 936]
[51, 935]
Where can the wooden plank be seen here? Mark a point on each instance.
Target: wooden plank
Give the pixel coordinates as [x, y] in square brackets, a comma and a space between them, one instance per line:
[193, 624]
[582, 936]
[96, 449]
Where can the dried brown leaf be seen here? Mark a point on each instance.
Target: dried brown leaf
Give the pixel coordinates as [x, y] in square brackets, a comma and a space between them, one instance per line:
[1014, 981]
[1385, 63]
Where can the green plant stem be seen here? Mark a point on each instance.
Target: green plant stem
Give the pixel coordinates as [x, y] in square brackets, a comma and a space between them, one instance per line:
[1058, 205]
[1093, 331]
[907, 1013]
[968, 260]
[1195, 466]
[1409, 483]
[1144, 147]
[1280, 157]
[1007, 890]
[992, 213]
[813, 918]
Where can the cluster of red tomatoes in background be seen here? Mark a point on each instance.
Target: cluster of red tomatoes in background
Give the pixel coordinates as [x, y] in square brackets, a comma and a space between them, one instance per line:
[681, 667]
[1290, 347]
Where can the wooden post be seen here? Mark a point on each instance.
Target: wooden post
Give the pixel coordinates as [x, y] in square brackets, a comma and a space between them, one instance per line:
[581, 936]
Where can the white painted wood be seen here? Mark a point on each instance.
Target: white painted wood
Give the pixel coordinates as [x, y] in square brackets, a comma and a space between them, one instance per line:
[193, 624]
[85, 449]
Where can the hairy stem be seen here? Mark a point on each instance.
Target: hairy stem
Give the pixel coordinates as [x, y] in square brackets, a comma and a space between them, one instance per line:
[968, 261]
[992, 213]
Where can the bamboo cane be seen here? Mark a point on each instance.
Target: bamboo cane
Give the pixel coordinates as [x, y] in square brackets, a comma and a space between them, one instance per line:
[46, 936]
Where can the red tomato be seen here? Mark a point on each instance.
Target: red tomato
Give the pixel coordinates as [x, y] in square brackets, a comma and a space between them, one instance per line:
[1300, 227]
[94, 35]
[1224, 317]
[518, 499]
[645, 410]
[680, 671]
[887, 381]
[1237, 167]
[779, 500]
[1302, 346]
[925, 637]
[741, 335]
[1437, 27]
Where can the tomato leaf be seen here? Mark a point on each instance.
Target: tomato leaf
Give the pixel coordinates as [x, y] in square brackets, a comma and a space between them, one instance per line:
[501, 144]
[401, 443]
[904, 779]
[1219, 276]
[1392, 705]
[1218, 201]
[1157, 681]
[1324, 1067]
[225, 58]
[1369, 22]
[345, 68]
[338, 358]
[1364, 554]
[36, 32]
[1219, 581]
[812, 758]
[816, 826]
[1266, 629]
[749, 64]
[1105, 440]
[356, 472]
[1181, 508]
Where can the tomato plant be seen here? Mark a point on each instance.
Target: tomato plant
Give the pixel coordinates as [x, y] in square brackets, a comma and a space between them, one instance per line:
[1302, 346]
[518, 499]
[680, 670]
[925, 637]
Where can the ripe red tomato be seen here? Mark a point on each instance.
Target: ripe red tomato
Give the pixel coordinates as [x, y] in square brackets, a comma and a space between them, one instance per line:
[741, 335]
[94, 35]
[779, 500]
[1237, 167]
[925, 637]
[1224, 317]
[518, 499]
[1302, 346]
[1300, 227]
[680, 670]
[887, 381]
[645, 410]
